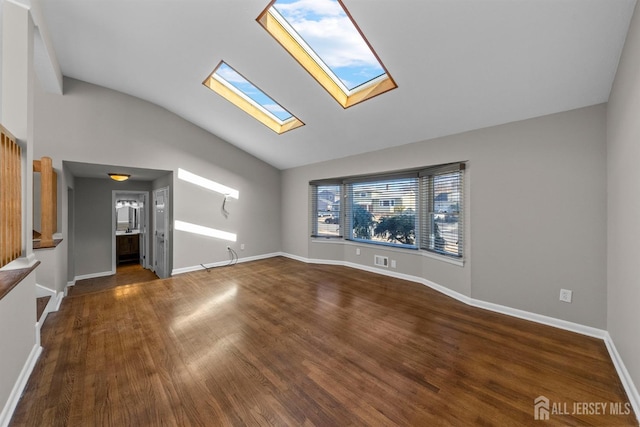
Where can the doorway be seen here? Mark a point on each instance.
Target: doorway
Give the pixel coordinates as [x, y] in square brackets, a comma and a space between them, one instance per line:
[130, 231]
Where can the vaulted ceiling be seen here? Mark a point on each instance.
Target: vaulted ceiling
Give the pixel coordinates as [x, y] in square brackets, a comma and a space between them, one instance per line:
[459, 65]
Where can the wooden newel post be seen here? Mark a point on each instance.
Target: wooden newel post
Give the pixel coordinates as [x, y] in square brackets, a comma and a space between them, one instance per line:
[48, 200]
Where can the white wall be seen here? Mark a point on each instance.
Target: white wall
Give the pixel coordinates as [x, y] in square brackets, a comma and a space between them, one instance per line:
[623, 152]
[97, 125]
[18, 336]
[536, 213]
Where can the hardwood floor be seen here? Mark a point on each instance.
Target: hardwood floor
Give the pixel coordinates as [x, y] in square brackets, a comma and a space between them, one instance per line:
[126, 274]
[41, 304]
[279, 342]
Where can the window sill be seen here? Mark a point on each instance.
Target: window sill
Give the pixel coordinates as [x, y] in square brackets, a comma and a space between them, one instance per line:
[418, 252]
[9, 279]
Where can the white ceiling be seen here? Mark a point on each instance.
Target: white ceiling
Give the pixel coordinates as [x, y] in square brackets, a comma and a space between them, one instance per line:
[459, 65]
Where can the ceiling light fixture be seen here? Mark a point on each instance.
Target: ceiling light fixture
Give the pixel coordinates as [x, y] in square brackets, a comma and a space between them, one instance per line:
[119, 176]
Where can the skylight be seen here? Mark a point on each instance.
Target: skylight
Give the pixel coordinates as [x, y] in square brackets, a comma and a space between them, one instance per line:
[323, 38]
[229, 84]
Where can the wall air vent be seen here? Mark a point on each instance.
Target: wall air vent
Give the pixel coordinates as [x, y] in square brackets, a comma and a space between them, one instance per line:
[381, 261]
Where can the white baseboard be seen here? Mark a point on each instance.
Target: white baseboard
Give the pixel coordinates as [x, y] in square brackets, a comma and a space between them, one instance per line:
[623, 373]
[625, 378]
[43, 291]
[52, 305]
[58, 301]
[18, 387]
[93, 275]
[189, 269]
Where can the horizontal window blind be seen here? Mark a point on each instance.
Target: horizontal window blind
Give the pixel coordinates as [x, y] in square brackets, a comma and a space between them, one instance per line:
[442, 195]
[383, 211]
[417, 209]
[326, 210]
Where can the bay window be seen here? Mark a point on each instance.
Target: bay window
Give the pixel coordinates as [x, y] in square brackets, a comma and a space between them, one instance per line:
[420, 209]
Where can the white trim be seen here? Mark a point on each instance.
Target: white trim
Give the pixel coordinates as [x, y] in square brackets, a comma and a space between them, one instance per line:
[539, 318]
[21, 382]
[93, 275]
[390, 248]
[58, 300]
[623, 373]
[52, 305]
[514, 312]
[43, 291]
[69, 284]
[182, 270]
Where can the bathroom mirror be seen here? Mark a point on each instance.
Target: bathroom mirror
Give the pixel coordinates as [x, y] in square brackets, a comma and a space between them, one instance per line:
[128, 215]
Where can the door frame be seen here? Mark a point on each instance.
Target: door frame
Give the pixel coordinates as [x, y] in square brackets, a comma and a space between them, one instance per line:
[167, 236]
[144, 233]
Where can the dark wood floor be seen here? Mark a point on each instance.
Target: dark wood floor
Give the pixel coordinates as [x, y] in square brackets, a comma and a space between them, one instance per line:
[41, 304]
[278, 342]
[126, 274]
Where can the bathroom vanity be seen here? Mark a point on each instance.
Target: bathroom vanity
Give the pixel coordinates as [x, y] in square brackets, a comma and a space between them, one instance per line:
[127, 246]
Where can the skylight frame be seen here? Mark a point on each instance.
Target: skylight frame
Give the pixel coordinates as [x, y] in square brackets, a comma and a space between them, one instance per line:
[228, 91]
[279, 28]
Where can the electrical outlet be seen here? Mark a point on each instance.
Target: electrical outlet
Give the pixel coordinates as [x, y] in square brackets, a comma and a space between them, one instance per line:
[565, 295]
[357, 251]
[393, 263]
[242, 246]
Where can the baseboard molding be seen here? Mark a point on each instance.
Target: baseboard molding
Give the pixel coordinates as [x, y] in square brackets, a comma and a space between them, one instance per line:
[623, 373]
[183, 270]
[514, 312]
[625, 378]
[52, 306]
[59, 297]
[18, 388]
[93, 275]
[43, 291]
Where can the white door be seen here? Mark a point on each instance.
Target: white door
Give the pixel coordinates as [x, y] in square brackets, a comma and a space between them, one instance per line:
[161, 227]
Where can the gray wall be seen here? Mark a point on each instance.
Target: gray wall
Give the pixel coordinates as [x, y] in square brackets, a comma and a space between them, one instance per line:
[96, 125]
[536, 213]
[93, 212]
[623, 152]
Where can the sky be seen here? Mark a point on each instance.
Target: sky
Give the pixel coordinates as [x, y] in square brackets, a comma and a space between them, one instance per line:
[329, 32]
[246, 87]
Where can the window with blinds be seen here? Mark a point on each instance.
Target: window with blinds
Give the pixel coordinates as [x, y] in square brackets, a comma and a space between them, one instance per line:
[383, 210]
[326, 209]
[442, 207]
[417, 209]
[10, 198]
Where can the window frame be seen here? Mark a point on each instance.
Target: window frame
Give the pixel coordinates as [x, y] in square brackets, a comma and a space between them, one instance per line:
[313, 206]
[424, 209]
[279, 28]
[372, 180]
[218, 84]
